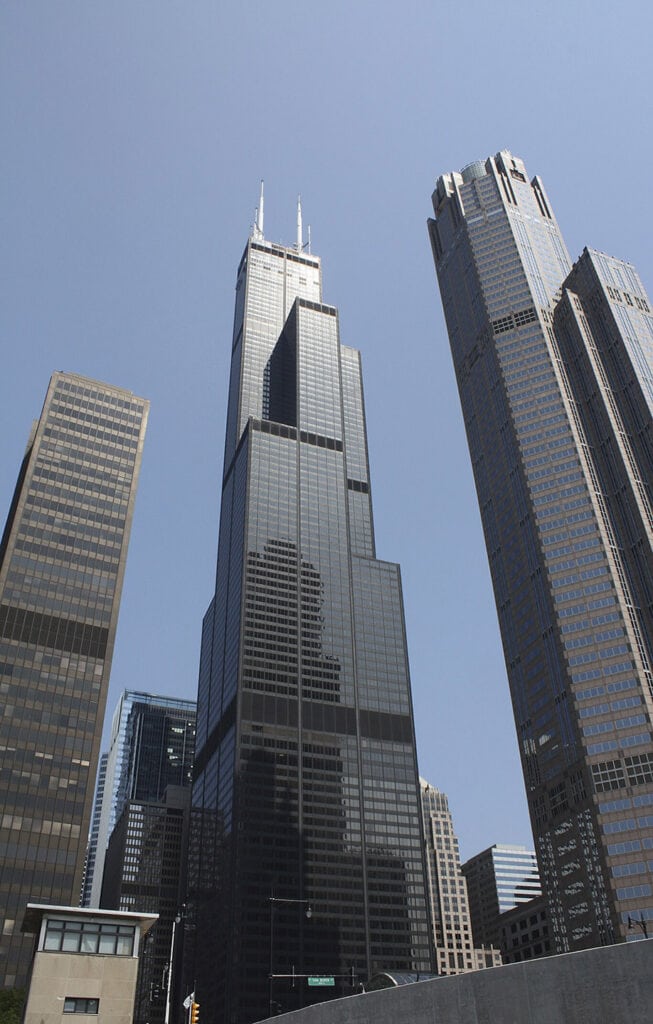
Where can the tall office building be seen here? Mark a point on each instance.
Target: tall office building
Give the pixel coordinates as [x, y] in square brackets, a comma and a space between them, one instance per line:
[306, 786]
[151, 747]
[455, 952]
[499, 879]
[91, 850]
[62, 560]
[555, 371]
[145, 868]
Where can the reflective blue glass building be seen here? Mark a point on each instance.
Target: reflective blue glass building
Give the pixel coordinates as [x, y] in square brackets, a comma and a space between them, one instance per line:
[554, 364]
[306, 787]
[151, 747]
[499, 879]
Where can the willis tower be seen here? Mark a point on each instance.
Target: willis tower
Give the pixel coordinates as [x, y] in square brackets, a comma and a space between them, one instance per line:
[306, 861]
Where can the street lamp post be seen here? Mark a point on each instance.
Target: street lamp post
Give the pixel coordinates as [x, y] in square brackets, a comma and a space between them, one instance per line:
[176, 921]
[274, 900]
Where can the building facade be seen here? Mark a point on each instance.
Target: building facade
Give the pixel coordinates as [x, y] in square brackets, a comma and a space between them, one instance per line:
[499, 879]
[62, 560]
[145, 870]
[609, 985]
[306, 849]
[554, 365]
[453, 941]
[524, 932]
[152, 746]
[91, 850]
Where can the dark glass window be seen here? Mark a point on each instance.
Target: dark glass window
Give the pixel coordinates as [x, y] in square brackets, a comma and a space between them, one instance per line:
[73, 1004]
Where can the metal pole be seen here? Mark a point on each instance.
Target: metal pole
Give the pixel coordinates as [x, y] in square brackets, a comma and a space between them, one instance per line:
[271, 951]
[309, 913]
[166, 1019]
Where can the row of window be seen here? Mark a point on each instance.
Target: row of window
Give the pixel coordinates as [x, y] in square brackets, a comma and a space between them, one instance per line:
[110, 422]
[104, 397]
[89, 937]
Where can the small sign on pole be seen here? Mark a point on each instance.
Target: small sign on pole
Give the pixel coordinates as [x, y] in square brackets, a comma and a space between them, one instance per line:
[315, 982]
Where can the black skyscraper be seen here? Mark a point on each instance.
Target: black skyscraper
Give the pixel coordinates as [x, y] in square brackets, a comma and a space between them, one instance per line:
[306, 787]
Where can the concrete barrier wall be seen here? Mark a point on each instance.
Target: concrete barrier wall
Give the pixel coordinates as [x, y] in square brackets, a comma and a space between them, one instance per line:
[610, 985]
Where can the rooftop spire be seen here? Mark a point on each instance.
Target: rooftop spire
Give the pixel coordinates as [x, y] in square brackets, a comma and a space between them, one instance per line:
[300, 232]
[258, 221]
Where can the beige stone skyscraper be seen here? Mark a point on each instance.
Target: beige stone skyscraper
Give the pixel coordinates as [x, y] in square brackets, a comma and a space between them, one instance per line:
[554, 365]
[447, 891]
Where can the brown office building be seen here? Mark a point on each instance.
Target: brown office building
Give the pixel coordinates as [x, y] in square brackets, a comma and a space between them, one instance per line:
[554, 364]
[62, 560]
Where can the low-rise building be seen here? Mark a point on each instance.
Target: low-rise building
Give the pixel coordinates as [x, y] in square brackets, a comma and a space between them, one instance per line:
[524, 932]
[85, 962]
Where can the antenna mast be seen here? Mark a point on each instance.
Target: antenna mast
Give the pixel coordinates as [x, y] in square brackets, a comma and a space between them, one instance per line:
[258, 226]
[300, 241]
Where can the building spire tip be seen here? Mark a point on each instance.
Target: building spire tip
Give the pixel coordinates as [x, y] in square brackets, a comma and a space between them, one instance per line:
[300, 230]
[257, 231]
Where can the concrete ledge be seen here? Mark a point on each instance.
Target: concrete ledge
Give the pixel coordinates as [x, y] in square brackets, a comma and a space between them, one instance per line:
[609, 985]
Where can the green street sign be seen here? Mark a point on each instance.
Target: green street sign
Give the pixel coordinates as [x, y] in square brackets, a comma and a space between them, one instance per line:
[321, 981]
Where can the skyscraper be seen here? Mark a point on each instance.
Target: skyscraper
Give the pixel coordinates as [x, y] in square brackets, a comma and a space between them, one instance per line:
[306, 790]
[91, 850]
[151, 747]
[453, 941]
[62, 561]
[555, 371]
[498, 879]
[142, 829]
[145, 868]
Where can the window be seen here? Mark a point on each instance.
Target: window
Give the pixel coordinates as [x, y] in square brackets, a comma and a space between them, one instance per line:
[73, 1004]
[608, 775]
[89, 937]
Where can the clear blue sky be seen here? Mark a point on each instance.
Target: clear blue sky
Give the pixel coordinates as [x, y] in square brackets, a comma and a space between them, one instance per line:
[134, 134]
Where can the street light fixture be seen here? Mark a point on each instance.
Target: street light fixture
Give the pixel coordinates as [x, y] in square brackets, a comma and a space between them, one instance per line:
[176, 921]
[325, 980]
[308, 913]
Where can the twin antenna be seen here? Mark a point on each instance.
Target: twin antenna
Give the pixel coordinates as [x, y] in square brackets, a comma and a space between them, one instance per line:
[257, 230]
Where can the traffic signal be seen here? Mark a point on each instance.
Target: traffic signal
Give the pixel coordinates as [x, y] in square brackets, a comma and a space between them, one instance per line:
[194, 1013]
